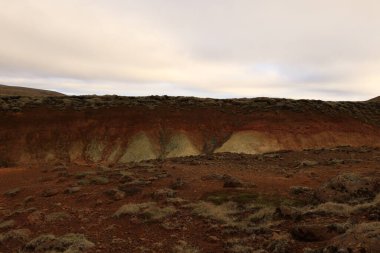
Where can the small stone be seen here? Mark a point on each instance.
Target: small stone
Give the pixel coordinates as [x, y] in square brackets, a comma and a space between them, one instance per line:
[115, 194]
[213, 239]
[296, 190]
[287, 212]
[72, 190]
[313, 233]
[230, 182]
[129, 190]
[118, 241]
[12, 192]
[308, 163]
[28, 199]
[49, 193]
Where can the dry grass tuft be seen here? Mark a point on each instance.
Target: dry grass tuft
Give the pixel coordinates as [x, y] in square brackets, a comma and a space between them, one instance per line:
[342, 209]
[184, 247]
[221, 213]
[264, 214]
[148, 211]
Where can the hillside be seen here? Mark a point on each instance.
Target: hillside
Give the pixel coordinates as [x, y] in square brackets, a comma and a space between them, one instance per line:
[112, 174]
[22, 91]
[376, 99]
[113, 130]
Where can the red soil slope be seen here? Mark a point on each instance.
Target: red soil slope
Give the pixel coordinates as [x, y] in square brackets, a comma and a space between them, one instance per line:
[113, 129]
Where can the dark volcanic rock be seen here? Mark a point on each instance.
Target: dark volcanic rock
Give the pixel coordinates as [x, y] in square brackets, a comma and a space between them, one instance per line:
[49, 192]
[287, 212]
[348, 188]
[230, 182]
[129, 190]
[313, 233]
[364, 238]
[115, 194]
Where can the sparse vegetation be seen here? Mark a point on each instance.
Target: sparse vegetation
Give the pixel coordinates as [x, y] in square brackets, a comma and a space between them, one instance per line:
[263, 214]
[7, 224]
[148, 211]
[57, 216]
[18, 235]
[221, 213]
[239, 245]
[201, 216]
[332, 208]
[68, 243]
[184, 247]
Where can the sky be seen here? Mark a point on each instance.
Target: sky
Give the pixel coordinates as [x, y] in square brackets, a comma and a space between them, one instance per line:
[325, 49]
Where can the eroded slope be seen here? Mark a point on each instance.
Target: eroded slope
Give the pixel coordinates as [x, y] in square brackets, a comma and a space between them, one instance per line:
[113, 129]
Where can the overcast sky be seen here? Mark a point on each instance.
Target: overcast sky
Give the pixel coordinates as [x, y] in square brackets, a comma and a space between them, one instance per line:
[324, 49]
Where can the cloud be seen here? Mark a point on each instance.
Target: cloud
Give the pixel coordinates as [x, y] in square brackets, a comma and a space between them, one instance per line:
[224, 48]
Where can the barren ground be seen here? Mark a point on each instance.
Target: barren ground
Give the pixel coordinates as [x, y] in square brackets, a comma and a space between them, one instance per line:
[291, 201]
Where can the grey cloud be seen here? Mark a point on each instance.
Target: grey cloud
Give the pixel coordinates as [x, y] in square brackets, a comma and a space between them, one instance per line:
[219, 48]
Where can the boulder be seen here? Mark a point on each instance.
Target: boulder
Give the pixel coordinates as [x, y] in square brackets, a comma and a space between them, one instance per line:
[348, 188]
[230, 182]
[313, 233]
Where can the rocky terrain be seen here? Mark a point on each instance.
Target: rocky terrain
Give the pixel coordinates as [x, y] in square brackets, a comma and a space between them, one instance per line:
[310, 201]
[6, 90]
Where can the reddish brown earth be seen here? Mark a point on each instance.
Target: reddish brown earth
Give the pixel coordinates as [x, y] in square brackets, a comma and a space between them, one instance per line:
[165, 174]
[111, 130]
[267, 181]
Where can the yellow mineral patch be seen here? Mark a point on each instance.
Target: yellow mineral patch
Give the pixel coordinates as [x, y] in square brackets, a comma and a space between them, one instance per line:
[94, 151]
[115, 152]
[76, 151]
[50, 157]
[139, 148]
[249, 142]
[180, 145]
